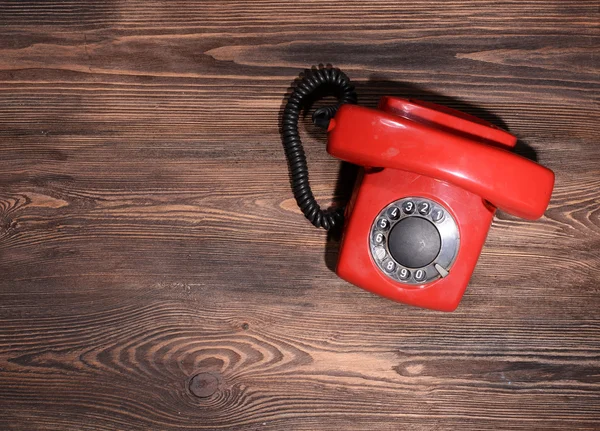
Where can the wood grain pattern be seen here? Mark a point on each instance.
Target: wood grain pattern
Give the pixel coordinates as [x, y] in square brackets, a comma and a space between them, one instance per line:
[148, 234]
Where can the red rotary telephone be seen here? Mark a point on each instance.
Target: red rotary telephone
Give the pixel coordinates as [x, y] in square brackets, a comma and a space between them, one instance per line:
[424, 202]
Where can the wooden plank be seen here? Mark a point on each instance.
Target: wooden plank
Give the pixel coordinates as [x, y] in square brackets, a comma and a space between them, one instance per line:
[156, 273]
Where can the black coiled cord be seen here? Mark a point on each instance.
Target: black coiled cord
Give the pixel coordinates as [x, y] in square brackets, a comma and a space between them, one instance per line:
[323, 79]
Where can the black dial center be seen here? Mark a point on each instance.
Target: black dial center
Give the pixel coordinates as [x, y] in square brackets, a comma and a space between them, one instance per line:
[414, 242]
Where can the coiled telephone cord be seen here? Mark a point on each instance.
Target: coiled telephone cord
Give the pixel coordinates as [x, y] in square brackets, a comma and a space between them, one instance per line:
[330, 81]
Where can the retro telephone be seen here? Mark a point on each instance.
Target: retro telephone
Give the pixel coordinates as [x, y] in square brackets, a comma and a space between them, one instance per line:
[424, 200]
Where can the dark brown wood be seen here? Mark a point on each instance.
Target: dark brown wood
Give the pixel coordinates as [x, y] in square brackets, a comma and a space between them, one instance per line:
[155, 273]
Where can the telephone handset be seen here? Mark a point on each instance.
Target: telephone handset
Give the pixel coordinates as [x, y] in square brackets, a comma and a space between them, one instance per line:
[423, 203]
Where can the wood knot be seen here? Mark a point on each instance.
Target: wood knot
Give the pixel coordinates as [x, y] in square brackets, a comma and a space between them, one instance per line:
[203, 385]
[8, 225]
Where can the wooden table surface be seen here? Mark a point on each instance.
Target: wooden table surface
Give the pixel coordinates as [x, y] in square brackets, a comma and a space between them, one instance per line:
[157, 275]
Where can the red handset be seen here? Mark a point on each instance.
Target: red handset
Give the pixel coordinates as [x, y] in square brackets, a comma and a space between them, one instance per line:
[424, 202]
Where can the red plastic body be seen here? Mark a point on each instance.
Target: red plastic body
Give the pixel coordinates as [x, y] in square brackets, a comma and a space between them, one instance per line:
[450, 157]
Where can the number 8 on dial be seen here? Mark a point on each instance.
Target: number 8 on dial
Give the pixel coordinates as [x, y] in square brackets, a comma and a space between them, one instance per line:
[390, 266]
